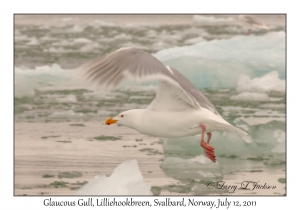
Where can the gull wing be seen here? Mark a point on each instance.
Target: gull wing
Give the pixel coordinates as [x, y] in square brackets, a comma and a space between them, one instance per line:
[175, 91]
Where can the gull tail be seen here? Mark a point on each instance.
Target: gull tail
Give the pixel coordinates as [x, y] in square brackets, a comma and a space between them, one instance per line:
[233, 129]
[222, 125]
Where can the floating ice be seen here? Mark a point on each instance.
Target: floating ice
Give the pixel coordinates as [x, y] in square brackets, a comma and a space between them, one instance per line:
[76, 29]
[211, 20]
[89, 47]
[220, 63]
[280, 135]
[27, 80]
[238, 48]
[56, 50]
[33, 41]
[268, 82]
[105, 113]
[194, 40]
[66, 114]
[21, 38]
[126, 179]
[100, 23]
[214, 64]
[272, 106]
[24, 86]
[68, 98]
[131, 44]
[123, 36]
[82, 40]
[280, 148]
[246, 96]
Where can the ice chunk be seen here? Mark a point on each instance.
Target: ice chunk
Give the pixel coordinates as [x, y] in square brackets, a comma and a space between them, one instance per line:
[23, 87]
[280, 135]
[33, 41]
[194, 40]
[27, 80]
[21, 38]
[268, 82]
[82, 40]
[267, 136]
[246, 96]
[76, 29]
[66, 114]
[68, 98]
[272, 106]
[123, 36]
[100, 23]
[268, 49]
[280, 148]
[209, 64]
[126, 179]
[89, 47]
[211, 20]
[220, 63]
[56, 50]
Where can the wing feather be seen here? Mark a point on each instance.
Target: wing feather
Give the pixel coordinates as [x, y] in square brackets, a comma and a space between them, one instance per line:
[110, 70]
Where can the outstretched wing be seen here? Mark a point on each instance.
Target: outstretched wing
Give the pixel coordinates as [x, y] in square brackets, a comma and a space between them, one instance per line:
[109, 71]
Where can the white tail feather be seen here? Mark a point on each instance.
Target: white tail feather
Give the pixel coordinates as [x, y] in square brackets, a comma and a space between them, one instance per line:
[232, 129]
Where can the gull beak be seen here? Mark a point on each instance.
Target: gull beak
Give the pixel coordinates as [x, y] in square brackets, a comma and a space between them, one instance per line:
[110, 121]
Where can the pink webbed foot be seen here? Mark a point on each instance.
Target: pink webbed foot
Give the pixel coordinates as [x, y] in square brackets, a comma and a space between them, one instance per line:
[208, 150]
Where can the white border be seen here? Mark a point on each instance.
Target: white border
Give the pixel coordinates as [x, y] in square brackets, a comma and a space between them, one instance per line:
[153, 6]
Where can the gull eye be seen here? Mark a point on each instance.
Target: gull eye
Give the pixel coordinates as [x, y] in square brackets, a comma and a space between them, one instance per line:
[122, 115]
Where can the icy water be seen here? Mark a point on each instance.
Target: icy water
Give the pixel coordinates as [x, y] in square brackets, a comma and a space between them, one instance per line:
[242, 75]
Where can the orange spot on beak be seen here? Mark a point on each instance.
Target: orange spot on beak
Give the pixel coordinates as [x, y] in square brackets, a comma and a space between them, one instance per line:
[110, 121]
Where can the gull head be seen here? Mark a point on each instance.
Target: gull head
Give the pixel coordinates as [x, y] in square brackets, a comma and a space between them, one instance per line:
[128, 118]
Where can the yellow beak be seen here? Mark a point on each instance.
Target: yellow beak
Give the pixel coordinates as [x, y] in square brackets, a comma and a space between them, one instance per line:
[110, 121]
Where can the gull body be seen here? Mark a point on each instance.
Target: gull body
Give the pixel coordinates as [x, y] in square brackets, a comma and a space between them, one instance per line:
[181, 123]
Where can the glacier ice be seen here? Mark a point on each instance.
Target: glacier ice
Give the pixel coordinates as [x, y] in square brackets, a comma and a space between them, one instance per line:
[126, 179]
[268, 82]
[248, 63]
[27, 80]
[220, 63]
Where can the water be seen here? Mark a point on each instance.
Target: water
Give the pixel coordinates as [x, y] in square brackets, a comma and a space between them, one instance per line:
[242, 75]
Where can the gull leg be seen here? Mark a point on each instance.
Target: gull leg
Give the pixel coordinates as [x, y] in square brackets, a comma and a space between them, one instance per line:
[208, 137]
[208, 150]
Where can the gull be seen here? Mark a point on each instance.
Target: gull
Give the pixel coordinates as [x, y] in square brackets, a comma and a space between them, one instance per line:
[179, 109]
